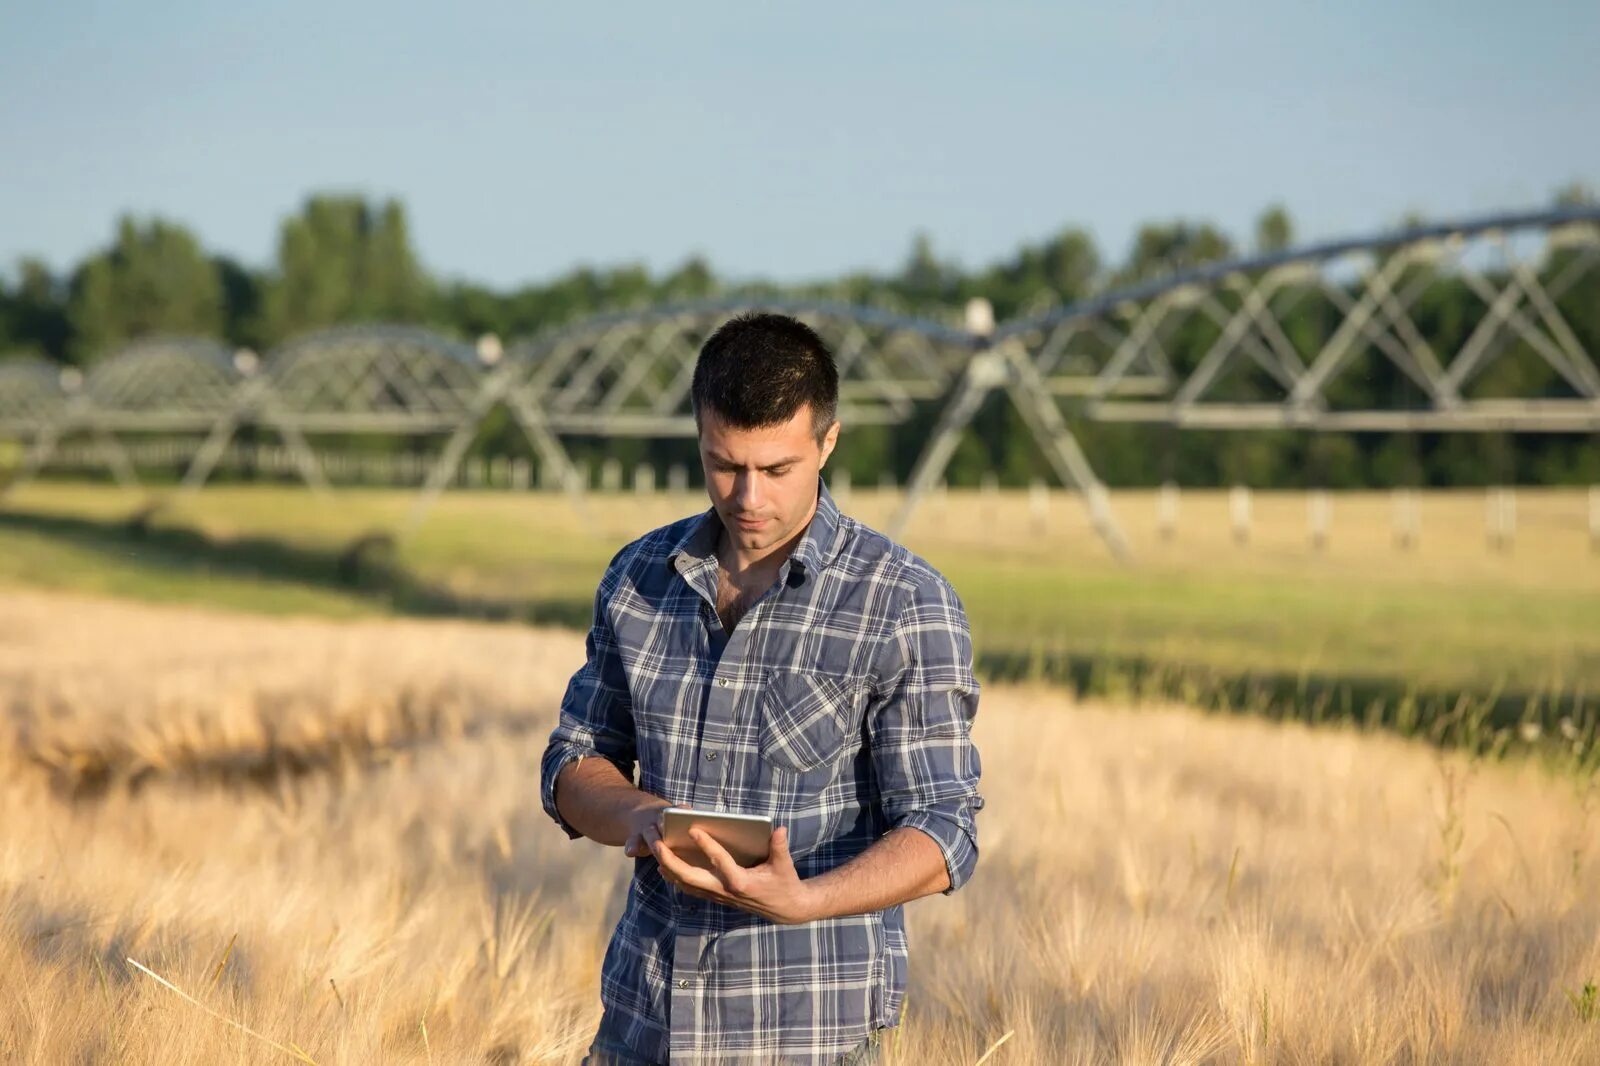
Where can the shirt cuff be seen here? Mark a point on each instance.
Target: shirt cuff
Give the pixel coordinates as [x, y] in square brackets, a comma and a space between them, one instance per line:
[956, 842]
[557, 758]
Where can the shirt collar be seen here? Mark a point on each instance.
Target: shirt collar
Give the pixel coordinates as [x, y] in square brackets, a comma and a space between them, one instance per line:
[817, 547]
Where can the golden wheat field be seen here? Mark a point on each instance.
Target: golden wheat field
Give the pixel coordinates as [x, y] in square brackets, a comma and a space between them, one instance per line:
[326, 839]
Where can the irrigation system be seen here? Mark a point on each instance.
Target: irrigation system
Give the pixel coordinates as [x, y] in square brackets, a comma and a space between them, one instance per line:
[1279, 331]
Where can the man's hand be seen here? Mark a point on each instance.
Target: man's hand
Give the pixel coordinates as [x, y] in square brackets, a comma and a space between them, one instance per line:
[643, 820]
[594, 797]
[773, 889]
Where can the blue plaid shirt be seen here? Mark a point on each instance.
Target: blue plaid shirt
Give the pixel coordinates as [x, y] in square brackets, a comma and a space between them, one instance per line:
[841, 707]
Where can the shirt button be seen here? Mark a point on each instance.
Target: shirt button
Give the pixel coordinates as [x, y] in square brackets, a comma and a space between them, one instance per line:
[722, 681]
[712, 756]
[683, 982]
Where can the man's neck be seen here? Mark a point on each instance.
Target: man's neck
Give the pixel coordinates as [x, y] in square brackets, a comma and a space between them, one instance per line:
[738, 562]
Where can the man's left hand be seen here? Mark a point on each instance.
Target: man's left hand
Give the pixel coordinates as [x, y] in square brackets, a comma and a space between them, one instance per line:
[773, 889]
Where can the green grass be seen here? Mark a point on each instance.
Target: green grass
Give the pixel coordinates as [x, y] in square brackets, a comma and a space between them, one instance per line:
[1273, 617]
[1463, 635]
[140, 572]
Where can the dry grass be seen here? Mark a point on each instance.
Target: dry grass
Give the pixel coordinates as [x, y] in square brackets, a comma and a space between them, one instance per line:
[330, 834]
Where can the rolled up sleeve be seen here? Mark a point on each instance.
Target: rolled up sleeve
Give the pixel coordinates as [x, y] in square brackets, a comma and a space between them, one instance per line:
[921, 730]
[596, 712]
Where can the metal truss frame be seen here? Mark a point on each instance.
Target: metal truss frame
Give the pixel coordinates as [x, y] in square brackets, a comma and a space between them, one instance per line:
[173, 385]
[629, 374]
[32, 396]
[1107, 359]
[353, 379]
[33, 402]
[1103, 359]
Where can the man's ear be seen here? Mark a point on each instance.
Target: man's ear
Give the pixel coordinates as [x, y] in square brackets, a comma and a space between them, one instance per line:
[829, 439]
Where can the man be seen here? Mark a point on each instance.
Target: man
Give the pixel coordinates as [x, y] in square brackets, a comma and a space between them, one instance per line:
[772, 657]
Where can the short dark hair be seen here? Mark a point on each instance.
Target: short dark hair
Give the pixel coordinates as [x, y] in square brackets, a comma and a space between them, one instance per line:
[759, 368]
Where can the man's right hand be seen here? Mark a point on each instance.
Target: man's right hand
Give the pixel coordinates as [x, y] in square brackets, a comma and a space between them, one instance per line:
[644, 826]
[597, 801]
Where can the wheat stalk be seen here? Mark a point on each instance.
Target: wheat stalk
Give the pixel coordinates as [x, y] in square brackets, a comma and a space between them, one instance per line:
[995, 1047]
[290, 1049]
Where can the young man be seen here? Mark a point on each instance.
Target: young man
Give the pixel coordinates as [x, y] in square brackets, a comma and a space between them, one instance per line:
[770, 656]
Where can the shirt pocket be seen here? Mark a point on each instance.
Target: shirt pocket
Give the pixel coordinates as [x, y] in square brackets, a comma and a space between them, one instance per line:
[806, 718]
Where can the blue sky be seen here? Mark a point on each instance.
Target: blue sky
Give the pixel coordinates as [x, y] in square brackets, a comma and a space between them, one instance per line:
[784, 142]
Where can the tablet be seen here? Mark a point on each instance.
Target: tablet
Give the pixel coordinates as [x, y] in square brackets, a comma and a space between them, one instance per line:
[746, 836]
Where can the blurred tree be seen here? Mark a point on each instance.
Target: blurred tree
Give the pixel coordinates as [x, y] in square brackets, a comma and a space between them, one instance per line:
[1334, 461]
[1070, 264]
[628, 285]
[342, 260]
[394, 285]
[1575, 194]
[924, 278]
[1256, 458]
[1167, 248]
[1062, 270]
[242, 291]
[1395, 461]
[969, 462]
[33, 313]
[473, 310]
[1274, 230]
[865, 451]
[154, 279]
[693, 280]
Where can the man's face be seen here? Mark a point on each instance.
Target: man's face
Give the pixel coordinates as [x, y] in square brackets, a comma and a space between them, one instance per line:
[763, 482]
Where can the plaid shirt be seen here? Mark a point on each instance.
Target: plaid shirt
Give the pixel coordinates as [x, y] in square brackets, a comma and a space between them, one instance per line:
[842, 707]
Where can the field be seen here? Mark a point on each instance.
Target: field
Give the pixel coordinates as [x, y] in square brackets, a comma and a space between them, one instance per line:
[327, 835]
[1357, 625]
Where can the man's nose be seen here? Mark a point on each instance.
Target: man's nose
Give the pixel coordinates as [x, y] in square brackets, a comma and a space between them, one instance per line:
[748, 491]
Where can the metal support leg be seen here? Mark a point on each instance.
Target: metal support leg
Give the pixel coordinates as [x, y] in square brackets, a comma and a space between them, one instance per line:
[305, 460]
[966, 394]
[533, 425]
[116, 458]
[443, 469]
[38, 454]
[1061, 448]
[550, 450]
[1010, 367]
[210, 451]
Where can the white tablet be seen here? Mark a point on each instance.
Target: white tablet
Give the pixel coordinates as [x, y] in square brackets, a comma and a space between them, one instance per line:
[746, 836]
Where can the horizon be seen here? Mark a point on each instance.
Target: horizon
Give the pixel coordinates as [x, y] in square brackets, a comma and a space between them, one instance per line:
[1242, 246]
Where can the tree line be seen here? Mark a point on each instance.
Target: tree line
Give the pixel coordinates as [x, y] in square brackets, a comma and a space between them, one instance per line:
[343, 259]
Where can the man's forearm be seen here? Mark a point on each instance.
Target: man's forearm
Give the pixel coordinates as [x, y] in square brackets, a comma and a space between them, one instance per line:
[902, 865]
[597, 801]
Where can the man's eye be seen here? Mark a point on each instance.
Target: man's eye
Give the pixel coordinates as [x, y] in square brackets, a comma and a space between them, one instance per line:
[778, 471]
